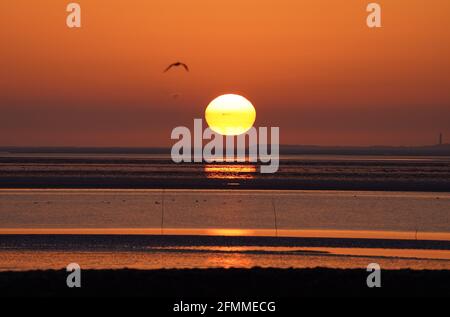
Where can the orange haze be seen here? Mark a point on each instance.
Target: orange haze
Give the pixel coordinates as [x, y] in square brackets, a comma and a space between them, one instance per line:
[311, 67]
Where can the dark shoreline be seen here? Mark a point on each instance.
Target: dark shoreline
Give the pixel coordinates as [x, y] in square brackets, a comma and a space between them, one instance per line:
[355, 173]
[68, 182]
[285, 149]
[225, 283]
[87, 242]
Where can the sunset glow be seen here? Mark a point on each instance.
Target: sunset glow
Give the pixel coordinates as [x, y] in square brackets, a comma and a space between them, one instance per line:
[313, 68]
[132, 163]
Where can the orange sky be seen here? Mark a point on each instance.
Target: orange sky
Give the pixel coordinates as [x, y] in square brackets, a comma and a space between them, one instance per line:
[311, 67]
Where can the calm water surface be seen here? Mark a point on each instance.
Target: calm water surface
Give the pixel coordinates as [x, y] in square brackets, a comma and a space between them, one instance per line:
[274, 213]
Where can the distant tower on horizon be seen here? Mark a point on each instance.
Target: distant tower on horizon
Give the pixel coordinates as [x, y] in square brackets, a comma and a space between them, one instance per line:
[440, 138]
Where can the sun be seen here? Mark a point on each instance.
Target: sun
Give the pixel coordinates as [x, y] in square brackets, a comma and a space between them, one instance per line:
[230, 114]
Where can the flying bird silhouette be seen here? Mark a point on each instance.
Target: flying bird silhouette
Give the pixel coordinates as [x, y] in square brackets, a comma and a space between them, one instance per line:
[177, 64]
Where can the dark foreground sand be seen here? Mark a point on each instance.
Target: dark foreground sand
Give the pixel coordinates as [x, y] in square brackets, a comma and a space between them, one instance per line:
[226, 283]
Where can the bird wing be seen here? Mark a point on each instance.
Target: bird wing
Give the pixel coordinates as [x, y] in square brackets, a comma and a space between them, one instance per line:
[176, 65]
[169, 67]
[185, 66]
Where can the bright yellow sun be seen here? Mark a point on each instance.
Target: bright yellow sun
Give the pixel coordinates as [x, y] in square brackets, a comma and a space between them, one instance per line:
[230, 115]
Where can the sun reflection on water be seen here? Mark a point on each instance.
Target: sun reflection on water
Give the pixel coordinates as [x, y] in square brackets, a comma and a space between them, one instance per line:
[230, 171]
